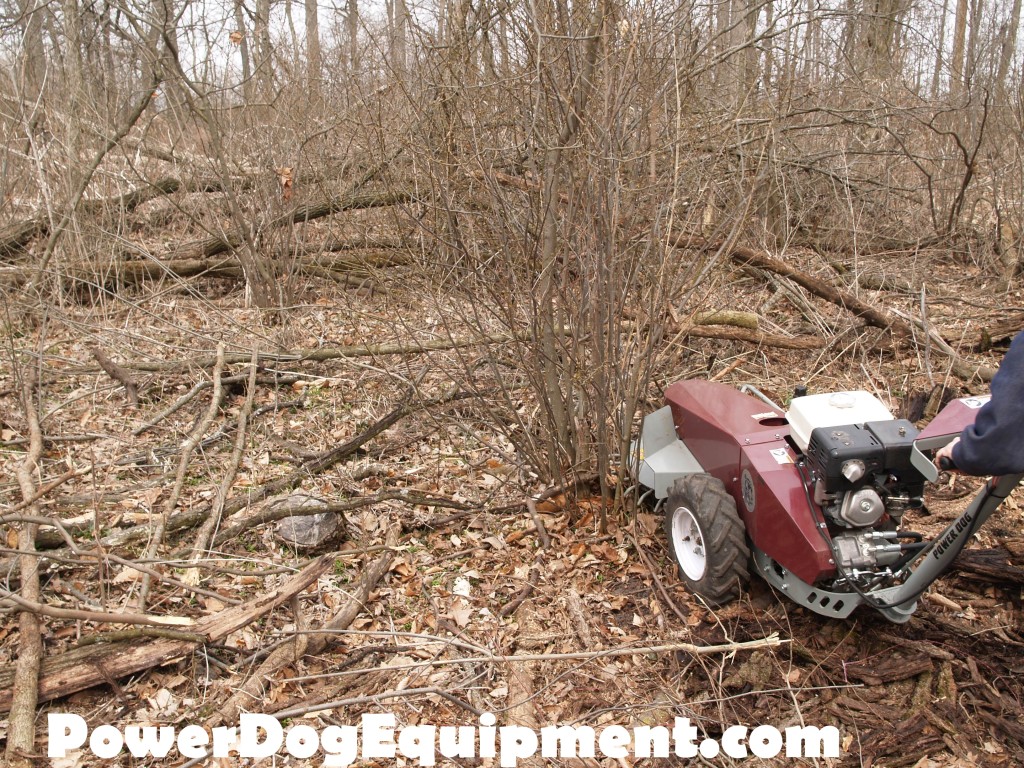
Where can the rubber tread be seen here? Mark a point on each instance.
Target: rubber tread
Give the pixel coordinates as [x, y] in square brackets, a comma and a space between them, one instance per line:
[725, 542]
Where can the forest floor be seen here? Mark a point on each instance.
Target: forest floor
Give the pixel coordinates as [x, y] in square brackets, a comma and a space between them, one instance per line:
[467, 575]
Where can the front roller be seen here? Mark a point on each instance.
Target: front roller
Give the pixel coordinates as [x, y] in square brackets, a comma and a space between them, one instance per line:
[706, 537]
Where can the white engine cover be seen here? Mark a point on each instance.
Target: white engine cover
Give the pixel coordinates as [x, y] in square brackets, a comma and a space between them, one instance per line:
[832, 409]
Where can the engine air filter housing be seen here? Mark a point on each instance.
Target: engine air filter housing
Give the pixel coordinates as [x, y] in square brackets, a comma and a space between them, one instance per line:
[832, 409]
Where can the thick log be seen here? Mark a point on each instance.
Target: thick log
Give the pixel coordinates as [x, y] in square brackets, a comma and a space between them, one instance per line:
[901, 330]
[888, 669]
[213, 246]
[134, 272]
[90, 665]
[15, 237]
[754, 337]
[989, 565]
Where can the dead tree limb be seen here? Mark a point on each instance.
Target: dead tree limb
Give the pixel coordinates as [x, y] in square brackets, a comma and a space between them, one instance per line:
[117, 373]
[241, 432]
[189, 518]
[76, 614]
[328, 459]
[213, 246]
[77, 669]
[25, 685]
[15, 237]
[324, 354]
[179, 480]
[754, 337]
[902, 330]
[304, 644]
[140, 271]
[282, 511]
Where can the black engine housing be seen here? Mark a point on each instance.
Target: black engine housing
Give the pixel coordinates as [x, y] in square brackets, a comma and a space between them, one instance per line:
[882, 446]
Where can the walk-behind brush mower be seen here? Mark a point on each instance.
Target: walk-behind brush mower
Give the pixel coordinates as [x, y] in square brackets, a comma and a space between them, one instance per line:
[814, 500]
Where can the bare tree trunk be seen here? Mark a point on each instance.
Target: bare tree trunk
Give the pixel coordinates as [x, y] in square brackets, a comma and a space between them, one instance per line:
[1008, 48]
[33, 54]
[939, 48]
[314, 59]
[352, 26]
[956, 64]
[972, 43]
[558, 387]
[264, 58]
[399, 38]
[243, 50]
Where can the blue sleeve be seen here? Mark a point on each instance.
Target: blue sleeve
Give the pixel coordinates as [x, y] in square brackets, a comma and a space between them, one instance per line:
[994, 444]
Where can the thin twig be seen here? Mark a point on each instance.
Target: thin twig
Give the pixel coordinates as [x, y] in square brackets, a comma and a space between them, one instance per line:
[179, 481]
[42, 609]
[213, 521]
[542, 532]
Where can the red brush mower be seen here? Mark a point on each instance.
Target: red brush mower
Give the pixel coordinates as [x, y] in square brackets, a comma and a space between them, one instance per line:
[813, 499]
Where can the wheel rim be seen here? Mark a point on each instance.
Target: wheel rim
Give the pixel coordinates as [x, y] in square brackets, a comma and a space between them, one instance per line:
[688, 543]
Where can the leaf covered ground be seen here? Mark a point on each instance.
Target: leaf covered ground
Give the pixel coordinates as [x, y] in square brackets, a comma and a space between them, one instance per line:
[472, 574]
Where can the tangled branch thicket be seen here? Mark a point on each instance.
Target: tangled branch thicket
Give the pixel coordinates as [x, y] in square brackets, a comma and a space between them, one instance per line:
[523, 214]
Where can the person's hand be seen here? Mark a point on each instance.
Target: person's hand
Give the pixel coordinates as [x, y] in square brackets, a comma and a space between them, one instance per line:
[945, 452]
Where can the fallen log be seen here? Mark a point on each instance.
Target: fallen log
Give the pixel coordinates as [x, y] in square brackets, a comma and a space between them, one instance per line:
[755, 337]
[902, 330]
[888, 670]
[15, 237]
[991, 566]
[217, 244]
[90, 665]
[251, 691]
[139, 271]
[322, 354]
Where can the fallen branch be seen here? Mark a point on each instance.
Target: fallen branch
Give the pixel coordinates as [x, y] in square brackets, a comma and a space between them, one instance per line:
[282, 511]
[117, 373]
[329, 458]
[77, 669]
[323, 354]
[24, 686]
[212, 246]
[754, 337]
[902, 330]
[191, 517]
[179, 479]
[206, 529]
[181, 402]
[16, 236]
[77, 614]
[253, 689]
[132, 272]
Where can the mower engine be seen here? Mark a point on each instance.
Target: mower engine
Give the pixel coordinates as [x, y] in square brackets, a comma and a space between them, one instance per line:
[860, 475]
[813, 499]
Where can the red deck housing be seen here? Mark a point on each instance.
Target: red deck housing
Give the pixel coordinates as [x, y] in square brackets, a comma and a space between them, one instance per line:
[743, 442]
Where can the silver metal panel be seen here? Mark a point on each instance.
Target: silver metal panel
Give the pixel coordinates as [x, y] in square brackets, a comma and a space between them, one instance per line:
[660, 470]
[658, 430]
[662, 457]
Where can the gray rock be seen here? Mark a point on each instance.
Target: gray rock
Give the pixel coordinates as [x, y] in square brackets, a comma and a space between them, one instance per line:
[306, 528]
